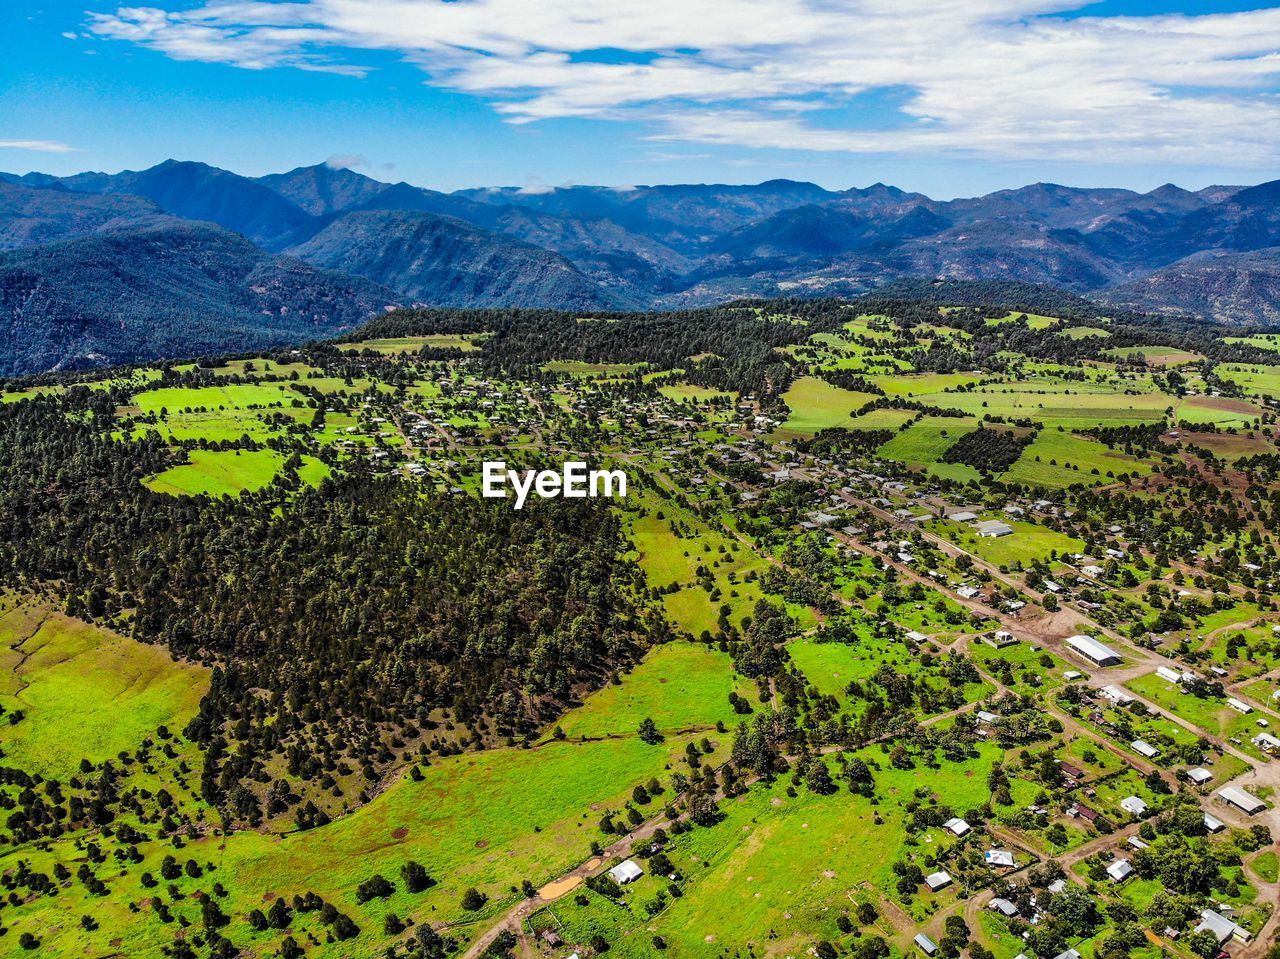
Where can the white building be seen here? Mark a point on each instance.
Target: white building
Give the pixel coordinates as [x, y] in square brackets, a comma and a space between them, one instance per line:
[625, 872]
[1134, 806]
[956, 825]
[1120, 870]
[1092, 650]
[937, 880]
[1243, 800]
[1144, 748]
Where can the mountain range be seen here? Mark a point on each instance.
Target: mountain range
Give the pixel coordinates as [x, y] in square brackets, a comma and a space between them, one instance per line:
[338, 245]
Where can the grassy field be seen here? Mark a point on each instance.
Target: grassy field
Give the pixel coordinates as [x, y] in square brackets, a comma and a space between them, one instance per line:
[778, 871]
[1059, 458]
[1155, 355]
[680, 686]
[815, 404]
[926, 440]
[466, 342]
[1079, 406]
[1081, 332]
[1033, 321]
[1026, 544]
[1214, 716]
[84, 692]
[692, 393]
[219, 473]
[1254, 379]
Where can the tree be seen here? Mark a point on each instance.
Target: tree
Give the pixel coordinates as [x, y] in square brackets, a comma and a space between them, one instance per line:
[415, 877]
[473, 899]
[648, 732]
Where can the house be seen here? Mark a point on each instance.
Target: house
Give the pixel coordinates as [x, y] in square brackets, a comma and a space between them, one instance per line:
[625, 872]
[1116, 695]
[1000, 639]
[1071, 772]
[1213, 823]
[1057, 886]
[1084, 812]
[964, 516]
[956, 825]
[987, 718]
[1239, 705]
[1266, 742]
[992, 528]
[1136, 843]
[1120, 870]
[968, 592]
[999, 858]
[1221, 928]
[1199, 775]
[1092, 650]
[916, 636]
[1144, 749]
[937, 880]
[1134, 806]
[1003, 906]
[1169, 675]
[1243, 800]
[925, 944]
[1052, 586]
[1069, 954]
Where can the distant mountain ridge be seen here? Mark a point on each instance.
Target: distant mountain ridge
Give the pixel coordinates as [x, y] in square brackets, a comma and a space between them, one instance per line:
[666, 246]
[167, 288]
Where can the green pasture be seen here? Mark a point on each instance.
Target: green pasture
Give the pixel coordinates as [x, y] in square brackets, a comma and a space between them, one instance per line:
[815, 404]
[85, 692]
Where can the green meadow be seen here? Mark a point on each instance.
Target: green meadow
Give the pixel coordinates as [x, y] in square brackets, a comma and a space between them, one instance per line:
[84, 693]
[815, 404]
[681, 686]
[219, 473]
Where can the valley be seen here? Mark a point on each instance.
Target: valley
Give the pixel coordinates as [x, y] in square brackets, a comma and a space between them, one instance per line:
[919, 624]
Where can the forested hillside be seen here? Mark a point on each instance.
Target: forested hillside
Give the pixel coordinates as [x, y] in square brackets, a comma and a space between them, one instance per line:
[171, 288]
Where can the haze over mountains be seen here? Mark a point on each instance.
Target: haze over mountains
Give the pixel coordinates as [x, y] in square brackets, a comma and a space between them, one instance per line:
[86, 257]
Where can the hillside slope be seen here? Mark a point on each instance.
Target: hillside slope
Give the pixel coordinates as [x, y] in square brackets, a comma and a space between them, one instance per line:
[1237, 288]
[445, 262]
[168, 289]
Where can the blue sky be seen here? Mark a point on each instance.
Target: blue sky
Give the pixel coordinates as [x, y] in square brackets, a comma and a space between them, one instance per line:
[949, 97]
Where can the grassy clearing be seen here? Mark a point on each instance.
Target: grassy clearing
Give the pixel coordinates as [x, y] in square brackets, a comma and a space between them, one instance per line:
[1214, 716]
[1057, 458]
[926, 440]
[1034, 321]
[681, 686]
[1154, 355]
[389, 346]
[579, 368]
[691, 393]
[815, 404]
[85, 692]
[1081, 332]
[779, 870]
[1026, 544]
[1077, 407]
[1220, 410]
[227, 473]
[915, 384]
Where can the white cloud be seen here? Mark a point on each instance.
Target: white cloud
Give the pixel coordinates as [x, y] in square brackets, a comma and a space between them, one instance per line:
[38, 146]
[345, 161]
[1013, 79]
